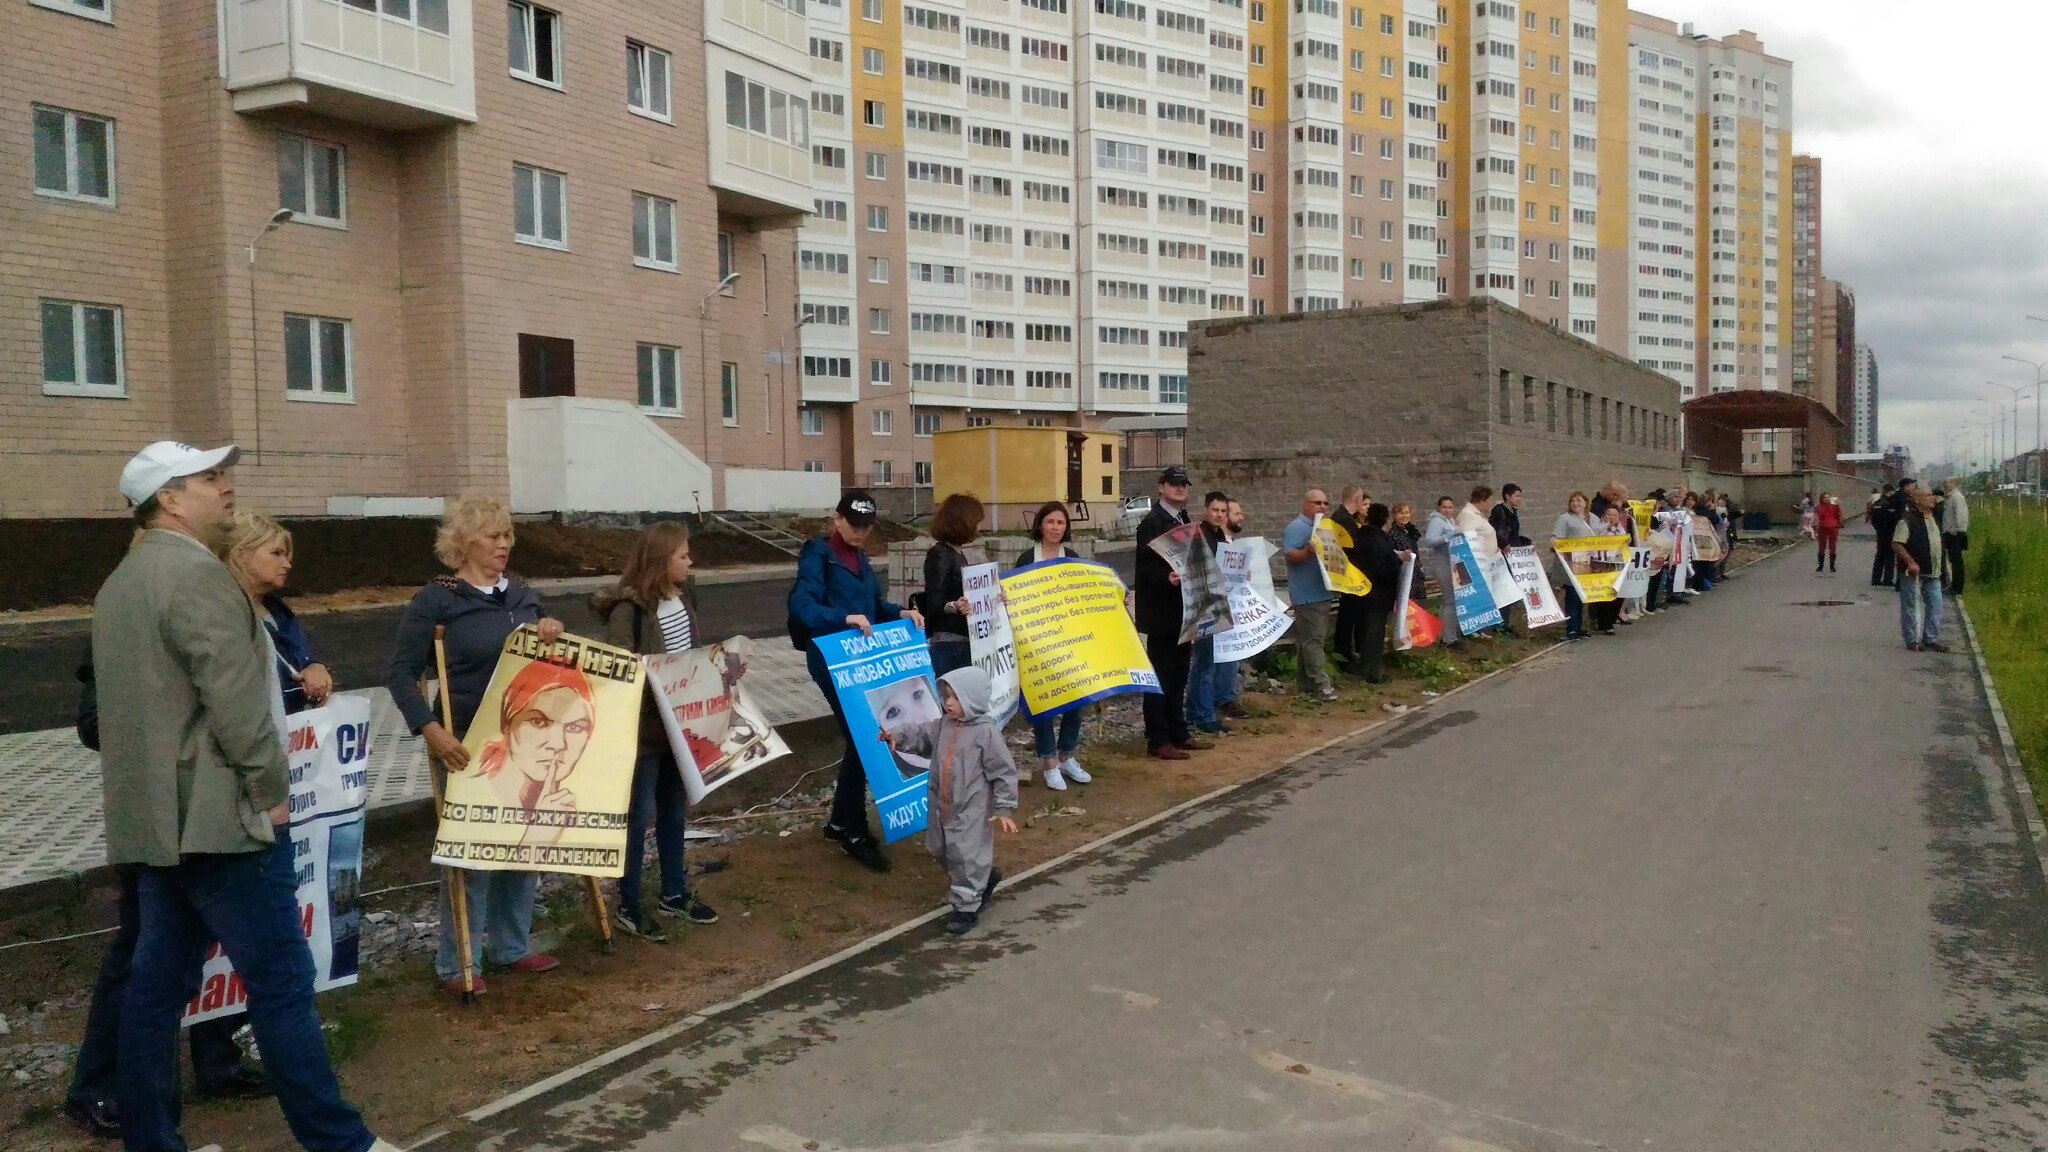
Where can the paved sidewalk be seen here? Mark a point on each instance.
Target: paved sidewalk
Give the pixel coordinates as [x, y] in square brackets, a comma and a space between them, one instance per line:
[55, 825]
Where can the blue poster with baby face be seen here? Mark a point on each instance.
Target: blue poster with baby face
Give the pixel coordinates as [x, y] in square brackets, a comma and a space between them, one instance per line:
[884, 680]
[1470, 597]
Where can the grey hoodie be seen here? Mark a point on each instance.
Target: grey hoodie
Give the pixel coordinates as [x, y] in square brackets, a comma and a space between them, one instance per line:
[972, 779]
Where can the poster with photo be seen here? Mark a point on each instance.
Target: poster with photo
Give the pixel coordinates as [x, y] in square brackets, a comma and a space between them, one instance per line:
[715, 730]
[884, 680]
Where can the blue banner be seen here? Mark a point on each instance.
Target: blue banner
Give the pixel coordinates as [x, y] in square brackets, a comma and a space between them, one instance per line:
[1475, 605]
[884, 680]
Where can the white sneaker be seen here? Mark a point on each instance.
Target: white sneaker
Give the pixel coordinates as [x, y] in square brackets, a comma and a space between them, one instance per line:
[1054, 780]
[383, 1145]
[1072, 768]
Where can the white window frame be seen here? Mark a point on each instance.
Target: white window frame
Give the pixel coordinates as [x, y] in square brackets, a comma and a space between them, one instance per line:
[925, 425]
[639, 57]
[654, 354]
[729, 394]
[874, 61]
[878, 264]
[528, 14]
[811, 421]
[878, 213]
[882, 421]
[536, 175]
[879, 321]
[71, 119]
[647, 211]
[876, 165]
[104, 14]
[316, 346]
[118, 390]
[881, 372]
[307, 215]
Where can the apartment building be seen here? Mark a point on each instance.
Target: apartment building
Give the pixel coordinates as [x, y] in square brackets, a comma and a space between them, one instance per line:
[1863, 417]
[1812, 360]
[502, 270]
[1838, 317]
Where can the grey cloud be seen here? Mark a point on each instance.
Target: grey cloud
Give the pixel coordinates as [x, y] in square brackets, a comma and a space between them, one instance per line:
[1828, 95]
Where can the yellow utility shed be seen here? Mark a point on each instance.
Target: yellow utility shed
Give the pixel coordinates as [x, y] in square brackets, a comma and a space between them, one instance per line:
[1014, 470]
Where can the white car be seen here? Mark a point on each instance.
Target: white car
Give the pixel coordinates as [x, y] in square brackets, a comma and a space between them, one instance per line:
[1134, 510]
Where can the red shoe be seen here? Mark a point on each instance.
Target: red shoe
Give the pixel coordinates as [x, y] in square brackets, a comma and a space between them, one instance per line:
[453, 986]
[534, 964]
[1169, 752]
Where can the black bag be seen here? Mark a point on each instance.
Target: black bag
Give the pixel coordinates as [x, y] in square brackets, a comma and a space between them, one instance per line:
[88, 708]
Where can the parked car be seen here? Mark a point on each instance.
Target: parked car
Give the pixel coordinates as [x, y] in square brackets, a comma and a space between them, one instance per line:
[1134, 510]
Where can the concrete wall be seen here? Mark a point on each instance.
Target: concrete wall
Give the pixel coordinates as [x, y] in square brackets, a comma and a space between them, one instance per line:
[773, 490]
[574, 455]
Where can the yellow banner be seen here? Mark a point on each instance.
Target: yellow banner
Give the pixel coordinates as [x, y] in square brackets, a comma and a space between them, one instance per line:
[1593, 564]
[1075, 642]
[1340, 575]
[550, 768]
[1643, 512]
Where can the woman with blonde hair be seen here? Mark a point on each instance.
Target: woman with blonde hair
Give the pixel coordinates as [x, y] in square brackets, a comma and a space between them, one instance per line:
[258, 551]
[479, 605]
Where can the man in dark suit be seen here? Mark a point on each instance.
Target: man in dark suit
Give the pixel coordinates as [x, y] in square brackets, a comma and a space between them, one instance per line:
[1158, 616]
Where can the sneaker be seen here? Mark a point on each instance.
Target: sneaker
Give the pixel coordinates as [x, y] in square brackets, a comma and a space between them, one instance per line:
[1193, 745]
[687, 907]
[1071, 768]
[634, 922]
[961, 923]
[867, 852]
[1327, 695]
[1169, 752]
[101, 1119]
[453, 985]
[988, 890]
[835, 833]
[1054, 780]
[382, 1145]
[1235, 711]
[1607, 631]
[243, 1083]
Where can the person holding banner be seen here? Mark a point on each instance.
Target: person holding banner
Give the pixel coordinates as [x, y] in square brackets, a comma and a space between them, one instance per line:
[1607, 614]
[1574, 524]
[1225, 676]
[1201, 701]
[1401, 526]
[1348, 517]
[1382, 561]
[259, 552]
[1055, 740]
[1309, 599]
[652, 611]
[478, 605]
[836, 589]
[192, 741]
[1436, 564]
[944, 601]
[1158, 609]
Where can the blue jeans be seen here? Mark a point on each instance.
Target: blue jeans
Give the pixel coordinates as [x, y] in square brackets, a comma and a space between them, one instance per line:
[1919, 608]
[214, 1054]
[1225, 680]
[657, 799]
[500, 911]
[249, 902]
[1574, 612]
[1067, 725]
[1201, 704]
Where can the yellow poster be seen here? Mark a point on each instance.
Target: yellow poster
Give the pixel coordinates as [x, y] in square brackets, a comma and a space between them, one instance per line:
[1075, 643]
[550, 768]
[1340, 575]
[1593, 564]
[1643, 512]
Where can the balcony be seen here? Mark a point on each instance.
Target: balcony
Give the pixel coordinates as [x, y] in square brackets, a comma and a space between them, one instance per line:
[409, 65]
[758, 70]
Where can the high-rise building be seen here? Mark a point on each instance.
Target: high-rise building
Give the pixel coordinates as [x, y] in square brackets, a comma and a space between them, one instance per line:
[1843, 301]
[1863, 419]
[1811, 368]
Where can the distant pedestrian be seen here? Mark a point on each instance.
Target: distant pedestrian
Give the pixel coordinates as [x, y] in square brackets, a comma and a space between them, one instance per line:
[1574, 523]
[1158, 604]
[1383, 559]
[1955, 532]
[652, 611]
[192, 744]
[836, 589]
[1201, 701]
[1309, 599]
[1916, 543]
[1808, 516]
[955, 526]
[1436, 562]
[1827, 531]
[971, 791]
[1884, 521]
[480, 605]
[1057, 742]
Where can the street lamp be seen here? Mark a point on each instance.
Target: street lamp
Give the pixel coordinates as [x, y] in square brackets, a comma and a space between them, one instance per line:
[2040, 373]
[703, 354]
[278, 219]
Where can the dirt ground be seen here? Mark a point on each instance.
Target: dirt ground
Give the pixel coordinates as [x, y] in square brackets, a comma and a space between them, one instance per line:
[412, 1058]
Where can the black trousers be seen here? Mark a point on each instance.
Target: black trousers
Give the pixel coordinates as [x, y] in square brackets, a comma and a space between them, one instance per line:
[1372, 642]
[1166, 716]
[1953, 546]
[1883, 565]
[1606, 614]
[850, 794]
[1348, 641]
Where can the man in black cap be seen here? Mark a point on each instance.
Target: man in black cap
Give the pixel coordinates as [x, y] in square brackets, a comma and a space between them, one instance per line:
[836, 589]
[1159, 616]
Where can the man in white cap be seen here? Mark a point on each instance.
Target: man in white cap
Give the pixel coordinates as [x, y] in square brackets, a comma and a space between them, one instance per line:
[192, 754]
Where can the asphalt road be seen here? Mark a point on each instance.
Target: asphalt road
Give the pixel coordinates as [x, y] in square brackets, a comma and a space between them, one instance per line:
[38, 662]
[1742, 880]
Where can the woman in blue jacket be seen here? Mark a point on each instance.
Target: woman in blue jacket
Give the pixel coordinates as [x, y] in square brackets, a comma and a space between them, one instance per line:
[836, 589]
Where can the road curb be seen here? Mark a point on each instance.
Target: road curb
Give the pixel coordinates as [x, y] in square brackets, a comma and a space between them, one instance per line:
[1384, 729]
[2014, 769]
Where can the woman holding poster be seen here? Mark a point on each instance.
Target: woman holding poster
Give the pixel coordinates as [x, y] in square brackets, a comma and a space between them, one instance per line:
[649, 612]
[944, 601]
[479, 606]
[1057, 740]
[1575, 523]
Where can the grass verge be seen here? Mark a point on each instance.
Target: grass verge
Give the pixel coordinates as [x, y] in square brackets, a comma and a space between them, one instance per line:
[2007, 590]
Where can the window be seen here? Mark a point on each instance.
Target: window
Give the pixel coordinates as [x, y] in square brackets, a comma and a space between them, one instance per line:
[874, 113]
[871, 10]
[877, 166]
[311, 181]
[878, 321]
[770, 112]
[74, 155]
[729, 394]
[924, 423]
[871, 61]
[811, 422]
[725, 245]
[647, 71]
[882, 422]
[82, 349]
[879, 373]
[878, 218]
[90, 9]
[884, 472]
[316, 358]
[878, 269]
[540, 207]
[661, 380]
[654, 232]
[534, 43]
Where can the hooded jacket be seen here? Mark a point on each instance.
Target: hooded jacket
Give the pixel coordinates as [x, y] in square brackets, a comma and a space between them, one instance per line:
[972, 775]
[477, 623]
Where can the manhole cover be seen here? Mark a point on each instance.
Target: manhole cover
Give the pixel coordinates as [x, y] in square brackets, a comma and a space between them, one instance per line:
[1825, 603]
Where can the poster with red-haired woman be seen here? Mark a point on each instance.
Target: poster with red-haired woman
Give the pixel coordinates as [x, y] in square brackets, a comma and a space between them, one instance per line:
[551, 762]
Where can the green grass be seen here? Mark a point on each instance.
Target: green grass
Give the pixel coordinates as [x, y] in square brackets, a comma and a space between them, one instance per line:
[2007, 593]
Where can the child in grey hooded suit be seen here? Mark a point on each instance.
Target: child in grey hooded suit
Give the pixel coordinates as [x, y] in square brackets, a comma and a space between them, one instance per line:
[971, 791]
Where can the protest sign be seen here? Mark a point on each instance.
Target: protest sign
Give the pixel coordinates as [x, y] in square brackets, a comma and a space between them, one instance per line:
[1706, 541]
[715, 730]
[1493, 568]
[1634, 580]
[989, 638]
[551, 756]
[1470, 597]
[1254, 609]
[1544, 610]
[327, 751]
[1404, 637]
[1593, 564]
[1340, 575]
[1680, 562]
[1204, 603]
[884, 680]
[1643, 512]
[1075, 643]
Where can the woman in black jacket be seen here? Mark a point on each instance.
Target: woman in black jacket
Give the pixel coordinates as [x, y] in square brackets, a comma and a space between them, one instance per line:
[954, 526]
[1381, 561]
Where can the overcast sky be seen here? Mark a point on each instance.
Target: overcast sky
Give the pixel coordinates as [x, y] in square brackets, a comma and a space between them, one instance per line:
[1935, 203]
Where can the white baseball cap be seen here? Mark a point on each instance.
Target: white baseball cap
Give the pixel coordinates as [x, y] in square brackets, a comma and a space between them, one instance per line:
[168, 460]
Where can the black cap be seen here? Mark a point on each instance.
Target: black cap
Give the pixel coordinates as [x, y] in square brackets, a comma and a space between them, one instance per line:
[1175, 475]
[857, 508]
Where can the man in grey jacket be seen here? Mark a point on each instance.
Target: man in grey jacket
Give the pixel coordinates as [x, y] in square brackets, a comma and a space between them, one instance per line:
[197, 799]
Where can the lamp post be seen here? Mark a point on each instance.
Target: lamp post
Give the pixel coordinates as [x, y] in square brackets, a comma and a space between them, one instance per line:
[2040, 374]
[782, 358]
[2017, 392]
[704, 355]
[278, 219]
